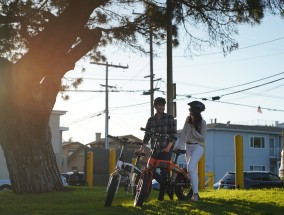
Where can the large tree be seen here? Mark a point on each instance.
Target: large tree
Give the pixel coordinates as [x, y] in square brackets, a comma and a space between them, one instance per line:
[42, 40]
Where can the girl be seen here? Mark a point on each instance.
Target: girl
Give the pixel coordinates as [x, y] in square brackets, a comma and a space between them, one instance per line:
[192, 139]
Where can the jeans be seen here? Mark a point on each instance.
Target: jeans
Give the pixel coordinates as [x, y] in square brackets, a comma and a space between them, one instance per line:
[160, 177]
[193, 154]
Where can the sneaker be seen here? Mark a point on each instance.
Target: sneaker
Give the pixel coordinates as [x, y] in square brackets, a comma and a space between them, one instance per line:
[195, 197]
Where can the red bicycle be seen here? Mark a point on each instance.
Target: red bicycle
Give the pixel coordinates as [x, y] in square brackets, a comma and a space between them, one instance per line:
[177, 178]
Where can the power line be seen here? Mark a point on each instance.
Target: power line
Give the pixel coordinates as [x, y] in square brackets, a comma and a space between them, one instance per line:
[251, 106]
[101, 112]
[239, 84]
[130, 105]
[101, 91]
[218, 97]
[112, 79]
[244, 105]
[262, 95]
[85, 117]
[245, 47]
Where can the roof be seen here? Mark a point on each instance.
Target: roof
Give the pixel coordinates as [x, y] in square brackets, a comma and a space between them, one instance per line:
[250, 171]
[130, 137]
[78, 149]
[245, 128]
[59, 112]
[67, 144]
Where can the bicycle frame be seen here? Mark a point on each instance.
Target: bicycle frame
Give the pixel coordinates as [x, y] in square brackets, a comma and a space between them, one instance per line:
[171, 166]
[154, 163]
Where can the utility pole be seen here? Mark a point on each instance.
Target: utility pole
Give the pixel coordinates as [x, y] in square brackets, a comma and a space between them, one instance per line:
[151, 71]
[170, 93]
[150, 26]
[106, 105]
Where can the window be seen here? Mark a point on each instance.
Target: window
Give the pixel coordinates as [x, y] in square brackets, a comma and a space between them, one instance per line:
[256, 168]
[271, 142]
[257, 142]
[71, 151]
[272, 146]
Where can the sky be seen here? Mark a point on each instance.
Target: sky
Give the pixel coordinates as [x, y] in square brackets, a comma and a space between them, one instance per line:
[248, 78]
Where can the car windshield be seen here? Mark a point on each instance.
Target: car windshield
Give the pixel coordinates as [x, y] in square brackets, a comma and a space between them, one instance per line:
[229, 177]
[256, 176]
[273, 177]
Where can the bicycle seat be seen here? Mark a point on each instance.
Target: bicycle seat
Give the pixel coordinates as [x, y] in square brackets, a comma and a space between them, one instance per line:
[141, 154]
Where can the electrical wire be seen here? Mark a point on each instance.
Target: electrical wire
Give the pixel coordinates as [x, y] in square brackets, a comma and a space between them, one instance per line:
[251, 106]
[240, 84]
[245, 47]
[218, 97]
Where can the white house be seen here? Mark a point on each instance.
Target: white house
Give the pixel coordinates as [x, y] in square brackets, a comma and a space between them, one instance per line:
[56, 132]
[262, 147]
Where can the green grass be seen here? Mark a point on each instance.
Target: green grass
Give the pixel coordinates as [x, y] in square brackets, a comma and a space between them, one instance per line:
[89, 201]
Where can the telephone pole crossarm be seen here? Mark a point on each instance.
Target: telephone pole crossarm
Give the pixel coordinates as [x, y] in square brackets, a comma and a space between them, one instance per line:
[107, 86]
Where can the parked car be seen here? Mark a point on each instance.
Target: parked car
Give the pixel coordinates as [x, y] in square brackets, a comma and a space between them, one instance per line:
[252, 179]
[75, 178]
[5, 184]
[155, 185]
[216, 185]
[63, 179]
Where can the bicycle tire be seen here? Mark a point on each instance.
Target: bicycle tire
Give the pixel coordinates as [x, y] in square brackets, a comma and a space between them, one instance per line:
[183, 192]
[111, 191]
[142, 192]
[134, 188]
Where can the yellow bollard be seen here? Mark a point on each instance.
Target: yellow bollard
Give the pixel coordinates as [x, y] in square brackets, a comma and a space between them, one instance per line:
[210, 180]
[90, 169]
[201, 172]
[134, 161]
[239, 162]
[111, 160]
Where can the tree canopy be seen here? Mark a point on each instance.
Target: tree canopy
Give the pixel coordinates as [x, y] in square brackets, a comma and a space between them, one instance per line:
[41, 40]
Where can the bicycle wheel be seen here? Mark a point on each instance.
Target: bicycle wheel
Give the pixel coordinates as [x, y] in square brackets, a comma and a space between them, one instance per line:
[135, 187]
[143, 189]
[111, 190]
[183, 188]
[135, 183]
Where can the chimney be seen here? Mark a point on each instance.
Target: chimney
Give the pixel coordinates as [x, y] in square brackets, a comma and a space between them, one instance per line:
[215, 120]
[98, 136]
[276, 123]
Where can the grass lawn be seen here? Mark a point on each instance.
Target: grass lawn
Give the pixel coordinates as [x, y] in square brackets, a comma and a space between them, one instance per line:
[89, 201]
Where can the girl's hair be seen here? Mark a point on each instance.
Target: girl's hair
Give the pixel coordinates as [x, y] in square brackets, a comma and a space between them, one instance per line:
[195, 119]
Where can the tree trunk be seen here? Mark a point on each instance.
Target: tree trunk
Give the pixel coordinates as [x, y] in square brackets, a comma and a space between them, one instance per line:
[29, 154]
[28, 91]
[25, 138]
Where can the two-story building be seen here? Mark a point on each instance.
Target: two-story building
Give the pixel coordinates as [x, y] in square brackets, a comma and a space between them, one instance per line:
[262, 147]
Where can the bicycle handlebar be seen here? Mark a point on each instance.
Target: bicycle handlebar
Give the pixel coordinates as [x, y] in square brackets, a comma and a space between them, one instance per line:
[150, 132]
[124, 140]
